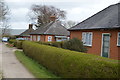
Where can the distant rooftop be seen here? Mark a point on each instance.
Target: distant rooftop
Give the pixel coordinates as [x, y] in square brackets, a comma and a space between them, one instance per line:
[53, 28]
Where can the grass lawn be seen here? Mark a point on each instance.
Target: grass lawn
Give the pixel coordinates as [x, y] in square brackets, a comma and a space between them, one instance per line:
[36, 69]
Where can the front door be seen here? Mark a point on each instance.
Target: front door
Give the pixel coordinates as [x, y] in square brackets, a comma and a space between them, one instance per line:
[105, 45]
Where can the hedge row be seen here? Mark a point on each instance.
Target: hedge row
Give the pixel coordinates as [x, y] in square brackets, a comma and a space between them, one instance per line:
[16, 43]
[13, 41]
[55, 44]
[73, 44]
[71, 64]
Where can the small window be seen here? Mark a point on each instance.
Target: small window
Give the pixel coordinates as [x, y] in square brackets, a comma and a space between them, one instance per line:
[49, 38]
[34, 38]
[38, 38]
[87, 38]
[118, 43]
[31, 38]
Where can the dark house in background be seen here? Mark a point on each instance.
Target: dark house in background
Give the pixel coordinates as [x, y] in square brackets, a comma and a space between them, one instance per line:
[100, 33]
[26, 34]
[53, 31]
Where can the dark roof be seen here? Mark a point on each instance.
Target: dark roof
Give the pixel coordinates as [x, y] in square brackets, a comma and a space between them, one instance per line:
[108, 18]
[53, 28]
[27, 32]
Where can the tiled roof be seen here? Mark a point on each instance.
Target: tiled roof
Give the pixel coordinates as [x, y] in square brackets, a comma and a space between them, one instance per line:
[53, 28]
[27, 32]
[108, 18]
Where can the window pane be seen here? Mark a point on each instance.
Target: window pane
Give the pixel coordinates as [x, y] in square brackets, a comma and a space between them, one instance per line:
[106, 38]
[87, 38]
[106, 50]
[38, 38]
[90, 39]
[31, 38]
[83, 37]
[106, 44]
[119, 40]
[49, 38]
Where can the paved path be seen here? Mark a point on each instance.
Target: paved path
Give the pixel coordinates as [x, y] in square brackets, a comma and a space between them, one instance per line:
[11, 67]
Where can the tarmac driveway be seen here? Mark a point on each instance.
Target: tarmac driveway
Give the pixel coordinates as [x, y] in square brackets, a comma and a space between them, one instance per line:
[10, 66]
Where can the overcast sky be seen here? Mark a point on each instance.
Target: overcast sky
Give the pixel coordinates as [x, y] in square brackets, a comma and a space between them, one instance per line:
[77, 10]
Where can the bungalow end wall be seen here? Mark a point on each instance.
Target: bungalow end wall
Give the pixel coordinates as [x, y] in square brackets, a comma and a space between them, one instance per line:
[43, 38]
[97, 42]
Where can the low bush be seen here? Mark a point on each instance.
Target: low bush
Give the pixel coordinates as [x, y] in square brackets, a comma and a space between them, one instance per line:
[55, 44]
[71, 64]
[13, 41]
[19, 44]
[75, 45]
[16, 43]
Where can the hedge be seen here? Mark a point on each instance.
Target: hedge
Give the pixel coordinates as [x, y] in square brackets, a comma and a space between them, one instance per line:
[19, 44]
[16, 43]
[55, 44]
[75, 45]
[13, 41]
[71, 64]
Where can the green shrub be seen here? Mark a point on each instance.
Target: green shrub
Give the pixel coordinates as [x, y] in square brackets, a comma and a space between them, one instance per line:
[71, 64]
[19, 44]
[55, 44]
[75, 45]
[13, 41]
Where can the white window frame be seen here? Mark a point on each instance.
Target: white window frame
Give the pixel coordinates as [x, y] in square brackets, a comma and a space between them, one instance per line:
[84, 34]
[31, 37]
[38, 38]
[118, 39]
[102, 45]
[34, 37]
[49, 38]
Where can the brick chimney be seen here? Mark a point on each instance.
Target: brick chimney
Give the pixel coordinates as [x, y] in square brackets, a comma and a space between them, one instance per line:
[52, 18]
[30, 26]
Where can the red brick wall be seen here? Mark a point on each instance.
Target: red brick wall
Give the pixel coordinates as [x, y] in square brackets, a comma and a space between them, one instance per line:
[46, 38]
[97, 41]
[43, 38]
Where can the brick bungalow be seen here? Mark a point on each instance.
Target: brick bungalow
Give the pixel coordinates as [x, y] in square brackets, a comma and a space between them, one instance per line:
[100, 33]
[53, 31]
[26, 34]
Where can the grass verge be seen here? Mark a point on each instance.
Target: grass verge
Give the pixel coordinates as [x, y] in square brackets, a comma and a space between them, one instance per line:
[36, 69]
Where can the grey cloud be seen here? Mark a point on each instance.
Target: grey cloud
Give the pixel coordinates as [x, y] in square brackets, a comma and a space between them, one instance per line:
[19, 9]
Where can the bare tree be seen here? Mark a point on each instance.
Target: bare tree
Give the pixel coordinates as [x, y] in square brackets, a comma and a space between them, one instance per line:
[4, 11]
[69, 24]
[42, 13]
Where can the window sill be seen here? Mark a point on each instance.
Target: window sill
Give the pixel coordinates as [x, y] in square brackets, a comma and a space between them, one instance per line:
[118, 45]
[88, 45]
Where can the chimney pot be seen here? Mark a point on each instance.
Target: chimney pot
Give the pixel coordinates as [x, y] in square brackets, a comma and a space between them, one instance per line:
[30, 26]
[52, 18]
